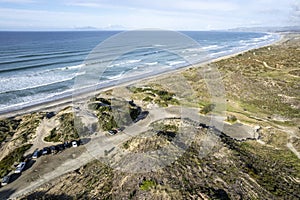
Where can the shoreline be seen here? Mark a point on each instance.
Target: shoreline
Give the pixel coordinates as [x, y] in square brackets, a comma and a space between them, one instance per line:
[61, 103]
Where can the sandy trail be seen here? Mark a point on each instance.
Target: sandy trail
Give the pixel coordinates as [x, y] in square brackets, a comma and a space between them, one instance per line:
[43, 129]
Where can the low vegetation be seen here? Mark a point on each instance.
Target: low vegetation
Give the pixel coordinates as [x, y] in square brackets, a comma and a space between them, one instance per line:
[66, 131]
[261, 82]
[231, 170]
[8, 128]
[27, 128]
[231, 118]
[147, 185]
[161, 135]
[161, 126]
[158, 96]
[271, 168]
[6, 164]
[114, 113]
[207, 108]
[149, 141]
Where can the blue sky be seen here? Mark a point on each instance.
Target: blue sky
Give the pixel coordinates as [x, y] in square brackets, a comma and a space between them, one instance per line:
[135, 14]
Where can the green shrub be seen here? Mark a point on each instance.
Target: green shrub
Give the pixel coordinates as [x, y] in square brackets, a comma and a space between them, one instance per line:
[8, 128]
[107, 121]
[53, 137]
[134, 112]
[122, 113]
[165, 127]
[231, 118]
[102, 100]
[207, 108]
[136, 90]
[161, 97]
[94, 106]
[164, 95]
[148, 99]
[147, 185]
[126, 145]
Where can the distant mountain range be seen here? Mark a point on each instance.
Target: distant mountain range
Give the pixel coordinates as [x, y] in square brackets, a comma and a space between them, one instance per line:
[268, 29]
[109, 27]
[239, 29]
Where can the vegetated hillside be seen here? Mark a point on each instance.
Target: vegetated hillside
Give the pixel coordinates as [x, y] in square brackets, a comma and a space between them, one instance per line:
[65, 131]
[262, 88]
[8, 128]
[114, 113]
[17, 135]
[264, 82]
[232, 170]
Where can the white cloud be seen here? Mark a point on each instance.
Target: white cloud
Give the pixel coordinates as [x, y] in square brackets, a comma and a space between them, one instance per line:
[139, 18]
[165, 14]
[193, 5]
[42, 18]
[85, 4]
[176, 5]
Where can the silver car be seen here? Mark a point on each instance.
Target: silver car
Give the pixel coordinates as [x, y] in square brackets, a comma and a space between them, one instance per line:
[20, 167]
[36, 154]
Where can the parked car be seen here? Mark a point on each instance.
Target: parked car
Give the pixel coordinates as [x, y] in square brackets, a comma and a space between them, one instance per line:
[45, 151]
[36, 154]
[112, 132]
[20, 167]
[53, 149]
[121, 129]
[67, 144]
[5, 180]
[49, 115]
[74, 144]
[60, 147]
[84, 141]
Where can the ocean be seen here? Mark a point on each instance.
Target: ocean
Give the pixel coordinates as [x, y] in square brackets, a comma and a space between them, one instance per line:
[42, 66]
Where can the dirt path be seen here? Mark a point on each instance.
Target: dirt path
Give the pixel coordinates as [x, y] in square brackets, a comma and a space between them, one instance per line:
[44, 128]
